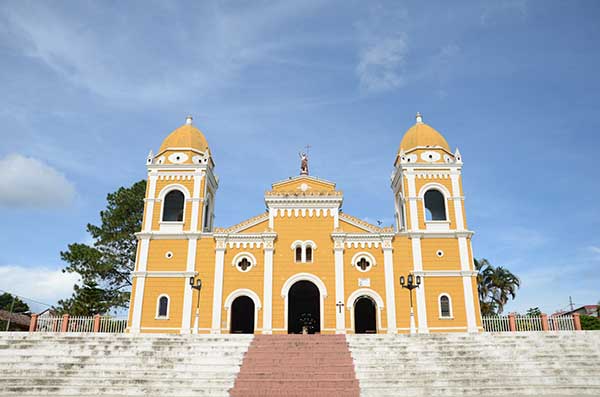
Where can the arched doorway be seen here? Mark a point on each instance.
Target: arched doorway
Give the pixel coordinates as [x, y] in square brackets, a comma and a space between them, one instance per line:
[304, 308]
[365, 316]
[242, 315]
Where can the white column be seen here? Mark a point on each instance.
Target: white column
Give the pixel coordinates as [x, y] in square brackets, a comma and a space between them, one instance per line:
[150, 201]
[196, 200]
[390, 294]
[136, 318]
[412, 202]
[457, 199]
[268, 288]
[218, 288]
[418, 267]
[188, 291]
[465, 267]
[340, 313]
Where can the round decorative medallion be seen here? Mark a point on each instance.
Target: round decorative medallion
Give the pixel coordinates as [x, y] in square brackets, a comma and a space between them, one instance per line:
[168, 255]
[304, 187]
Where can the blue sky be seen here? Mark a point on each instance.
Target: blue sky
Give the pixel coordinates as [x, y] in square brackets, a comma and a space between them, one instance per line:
[88, 88]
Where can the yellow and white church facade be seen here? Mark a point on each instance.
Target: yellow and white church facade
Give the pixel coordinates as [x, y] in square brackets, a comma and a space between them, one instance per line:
[304, 265]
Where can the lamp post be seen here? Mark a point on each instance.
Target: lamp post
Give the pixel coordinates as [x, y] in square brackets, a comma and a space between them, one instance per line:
[196, 284]
[410, 284]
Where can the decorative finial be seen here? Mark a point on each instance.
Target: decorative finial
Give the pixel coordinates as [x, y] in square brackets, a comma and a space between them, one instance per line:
[304, 161]
[188, 120]
[419, 118]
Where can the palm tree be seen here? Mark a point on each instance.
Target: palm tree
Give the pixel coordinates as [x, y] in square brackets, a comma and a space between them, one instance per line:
[496, 285]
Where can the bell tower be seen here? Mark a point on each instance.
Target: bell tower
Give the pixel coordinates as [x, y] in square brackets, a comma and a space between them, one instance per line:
[179, 210]
[429, 209]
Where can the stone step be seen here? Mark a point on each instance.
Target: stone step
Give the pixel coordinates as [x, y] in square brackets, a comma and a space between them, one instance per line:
[87, 390]
[497, 391]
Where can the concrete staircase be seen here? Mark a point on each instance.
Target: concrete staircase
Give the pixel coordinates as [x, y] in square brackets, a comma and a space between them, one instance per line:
[507, 364]
[297, 365]
[119, 364]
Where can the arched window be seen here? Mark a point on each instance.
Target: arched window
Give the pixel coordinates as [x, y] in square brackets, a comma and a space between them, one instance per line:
[299, 253]
[445, 309]
[162, 309]
[308, 254]
[401, 221]
[173, 206]
[435, 206]
[207, 215]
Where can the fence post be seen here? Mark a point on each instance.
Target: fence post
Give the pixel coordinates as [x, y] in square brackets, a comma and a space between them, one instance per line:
[576, 321]
[512, 323]
[97, 323]
[65, 323]
[545, 322]
[33, 322]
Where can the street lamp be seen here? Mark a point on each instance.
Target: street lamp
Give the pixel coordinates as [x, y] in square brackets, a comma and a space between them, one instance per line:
[410, 284]
[196, 284]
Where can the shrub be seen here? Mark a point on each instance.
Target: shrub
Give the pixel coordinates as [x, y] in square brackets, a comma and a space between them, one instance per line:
[589, 323]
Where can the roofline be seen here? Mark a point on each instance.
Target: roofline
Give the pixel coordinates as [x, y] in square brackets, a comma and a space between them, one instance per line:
[293, 178]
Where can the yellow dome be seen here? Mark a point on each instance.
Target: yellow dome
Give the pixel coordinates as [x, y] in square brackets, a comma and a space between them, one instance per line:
[421, 134]
[186, 136]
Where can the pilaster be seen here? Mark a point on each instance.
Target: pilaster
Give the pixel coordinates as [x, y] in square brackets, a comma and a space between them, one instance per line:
[340, 314]
[136, 318]
[421, 305]
[187, 291]
[196, 199]
[218, 285]
[152, 178]
[268, 239]
[390, 294]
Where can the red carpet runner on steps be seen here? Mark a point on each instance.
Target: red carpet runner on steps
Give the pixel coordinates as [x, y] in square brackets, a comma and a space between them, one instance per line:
[297, 365]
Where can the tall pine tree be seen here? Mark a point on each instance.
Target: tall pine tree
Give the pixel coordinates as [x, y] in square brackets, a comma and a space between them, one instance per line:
[105, 266]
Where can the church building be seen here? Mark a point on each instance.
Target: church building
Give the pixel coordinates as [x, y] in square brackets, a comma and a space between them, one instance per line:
[304, 266]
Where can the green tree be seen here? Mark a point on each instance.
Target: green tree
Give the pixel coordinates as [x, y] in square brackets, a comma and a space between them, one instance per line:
[533, 312]
[496, 285]
[87, 300]
[106, 265]
[6, 301]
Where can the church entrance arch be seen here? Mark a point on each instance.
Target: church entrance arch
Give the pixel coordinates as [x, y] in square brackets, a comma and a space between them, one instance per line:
[365, 315]
[304, 308]
[242, 315]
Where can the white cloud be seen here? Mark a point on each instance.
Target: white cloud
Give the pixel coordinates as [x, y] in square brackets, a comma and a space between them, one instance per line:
[595, 250]
[41, 284]
[135, 59]
[380, 63]
[28, 182]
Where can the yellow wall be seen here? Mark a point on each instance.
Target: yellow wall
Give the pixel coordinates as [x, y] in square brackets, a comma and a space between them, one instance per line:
[453, 286]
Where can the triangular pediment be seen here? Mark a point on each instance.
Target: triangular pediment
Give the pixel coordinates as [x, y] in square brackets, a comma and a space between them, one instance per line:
[303, 184]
